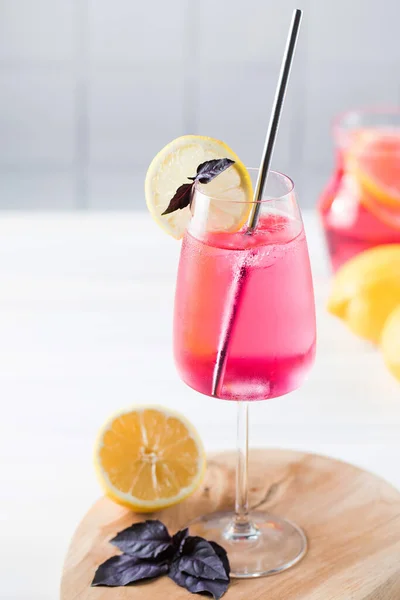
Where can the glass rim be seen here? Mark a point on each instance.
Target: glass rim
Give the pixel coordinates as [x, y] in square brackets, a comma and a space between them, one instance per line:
[343, 128]
[251, 170]
[339, 121]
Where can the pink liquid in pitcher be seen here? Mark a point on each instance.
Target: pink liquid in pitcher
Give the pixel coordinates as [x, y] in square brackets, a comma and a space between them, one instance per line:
[262, 285]
[360, 206]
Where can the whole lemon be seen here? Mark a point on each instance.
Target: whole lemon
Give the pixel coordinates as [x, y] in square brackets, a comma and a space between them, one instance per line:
[366, 290]
[390, 342]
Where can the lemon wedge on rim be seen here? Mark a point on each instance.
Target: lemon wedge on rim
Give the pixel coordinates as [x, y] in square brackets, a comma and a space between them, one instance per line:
[231, 192]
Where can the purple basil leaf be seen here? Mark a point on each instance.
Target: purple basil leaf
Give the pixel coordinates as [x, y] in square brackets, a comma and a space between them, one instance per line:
[199, 559]
[181, 198]
[221, 552]
[211, 168]
[196, 585]
[205, 173]
[179, 538]
[148, 539]
[124, 569]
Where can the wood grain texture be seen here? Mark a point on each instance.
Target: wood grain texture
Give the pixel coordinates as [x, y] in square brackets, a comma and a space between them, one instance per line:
[351, 517]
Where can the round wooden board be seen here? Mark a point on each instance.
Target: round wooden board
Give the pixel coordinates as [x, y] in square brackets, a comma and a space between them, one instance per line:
[351, 517]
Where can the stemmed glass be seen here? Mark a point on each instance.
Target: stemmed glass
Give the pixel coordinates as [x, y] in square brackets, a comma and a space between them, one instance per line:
[244, 330]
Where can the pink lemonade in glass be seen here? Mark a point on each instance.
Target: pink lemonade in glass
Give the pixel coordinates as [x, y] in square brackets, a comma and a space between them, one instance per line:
[265, 280]
[360, 206]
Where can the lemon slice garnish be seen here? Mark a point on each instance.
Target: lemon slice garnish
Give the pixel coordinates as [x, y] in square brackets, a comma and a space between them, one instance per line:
[231, 191]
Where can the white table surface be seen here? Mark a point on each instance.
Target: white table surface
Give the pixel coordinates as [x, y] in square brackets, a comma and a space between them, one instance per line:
[85, 329]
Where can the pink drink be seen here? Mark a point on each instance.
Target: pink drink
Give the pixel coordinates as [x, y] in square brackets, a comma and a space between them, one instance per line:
[262, 285]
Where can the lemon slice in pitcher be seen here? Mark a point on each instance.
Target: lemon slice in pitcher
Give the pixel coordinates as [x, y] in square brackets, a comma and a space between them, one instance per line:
[176, 163]
[374, 160]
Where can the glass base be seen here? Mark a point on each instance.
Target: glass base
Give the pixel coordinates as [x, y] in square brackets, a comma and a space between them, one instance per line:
[269, 546]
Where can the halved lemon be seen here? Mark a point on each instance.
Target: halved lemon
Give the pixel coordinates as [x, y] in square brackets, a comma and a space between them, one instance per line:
[178, 161]
[390, 342]
[366, 289]
[148, 458]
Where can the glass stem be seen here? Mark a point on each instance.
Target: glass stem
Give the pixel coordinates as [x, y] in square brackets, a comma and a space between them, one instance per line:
[242, 525]
[241, 528]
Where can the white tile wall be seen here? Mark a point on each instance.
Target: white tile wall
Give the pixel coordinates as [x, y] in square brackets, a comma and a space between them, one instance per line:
[122, 32]
[91, 89]
[330, 90]
[37, 118]
[37, 31]
[233, 104]
[243, 32]
[115, 189]
[354, 32]
[132, 113]
[32, 189]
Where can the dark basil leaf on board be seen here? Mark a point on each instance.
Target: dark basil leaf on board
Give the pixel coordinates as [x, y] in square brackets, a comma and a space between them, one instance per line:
[221, 552]
[148, 539]
[179, 538]
[124, 569]
[201, 560]
[192, 562]
[215, 587]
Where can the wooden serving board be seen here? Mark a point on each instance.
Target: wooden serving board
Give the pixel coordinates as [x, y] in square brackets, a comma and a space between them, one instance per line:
[351, 517]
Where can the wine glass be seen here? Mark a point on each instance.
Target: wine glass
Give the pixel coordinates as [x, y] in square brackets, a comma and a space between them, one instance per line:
[244, 330]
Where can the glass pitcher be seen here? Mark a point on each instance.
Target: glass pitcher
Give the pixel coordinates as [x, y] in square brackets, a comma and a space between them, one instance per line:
[360, 206]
